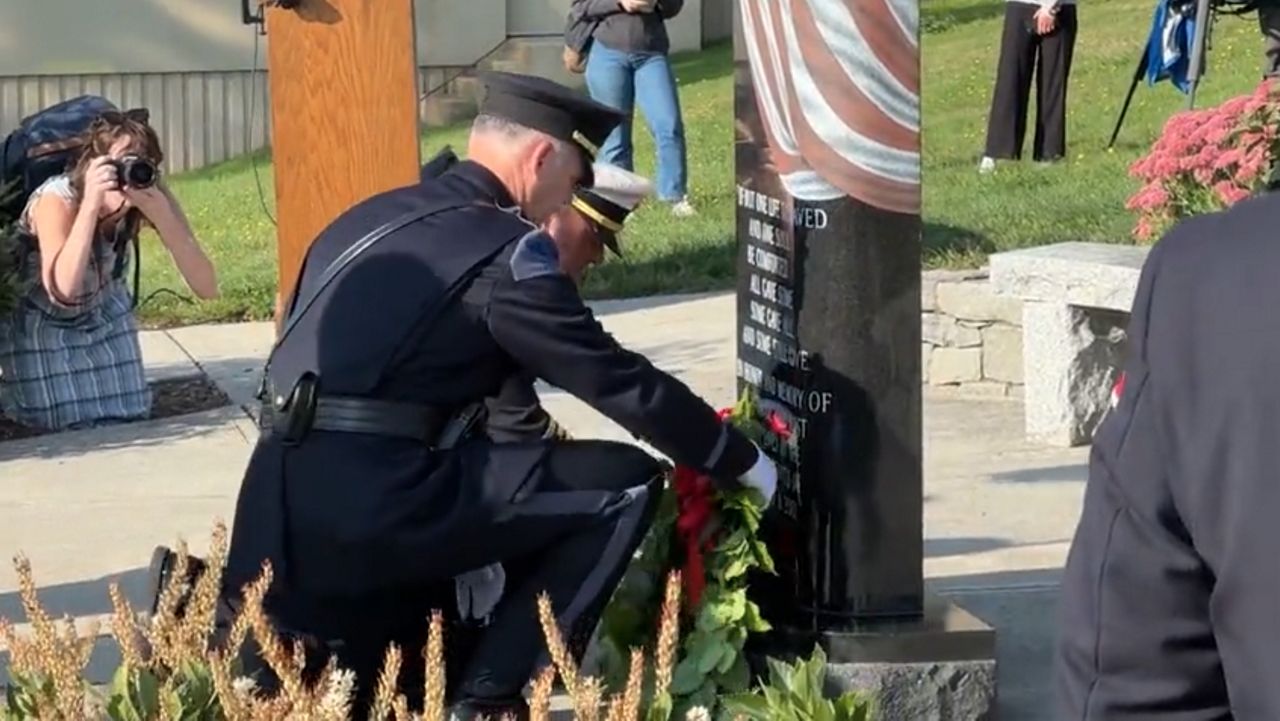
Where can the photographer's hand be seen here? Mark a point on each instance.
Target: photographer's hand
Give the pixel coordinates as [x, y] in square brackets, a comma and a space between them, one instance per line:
[151, 201]
[166, 216]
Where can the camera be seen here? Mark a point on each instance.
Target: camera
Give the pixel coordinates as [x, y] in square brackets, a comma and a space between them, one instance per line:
[134, 171]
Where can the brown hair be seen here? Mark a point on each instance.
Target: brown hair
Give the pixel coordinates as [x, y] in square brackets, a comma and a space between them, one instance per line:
[106, 131]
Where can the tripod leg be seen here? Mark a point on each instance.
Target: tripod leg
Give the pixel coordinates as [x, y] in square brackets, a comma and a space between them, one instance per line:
[1128, 98]
[1195, 70]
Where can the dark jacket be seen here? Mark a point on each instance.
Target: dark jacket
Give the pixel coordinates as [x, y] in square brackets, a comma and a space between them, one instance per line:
[630, 32]
[1171, 587]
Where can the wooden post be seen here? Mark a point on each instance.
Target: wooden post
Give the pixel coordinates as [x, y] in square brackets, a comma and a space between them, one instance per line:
[344, 114]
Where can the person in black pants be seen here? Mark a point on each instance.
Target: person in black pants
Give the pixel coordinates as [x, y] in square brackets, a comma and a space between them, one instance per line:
[1269, 24]
[1039, 39]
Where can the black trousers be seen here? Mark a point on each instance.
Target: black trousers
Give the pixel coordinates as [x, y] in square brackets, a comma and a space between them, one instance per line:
[1269, 24]
[589, 506]
[1023, 54]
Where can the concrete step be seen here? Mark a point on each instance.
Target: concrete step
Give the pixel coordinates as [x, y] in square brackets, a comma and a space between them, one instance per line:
[446, 80]
[535, 56]
[439, 111]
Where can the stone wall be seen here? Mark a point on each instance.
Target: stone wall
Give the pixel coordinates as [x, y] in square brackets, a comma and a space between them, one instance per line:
[971, 338]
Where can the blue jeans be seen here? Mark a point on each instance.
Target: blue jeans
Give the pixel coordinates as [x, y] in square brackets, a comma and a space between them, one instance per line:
[621, 80]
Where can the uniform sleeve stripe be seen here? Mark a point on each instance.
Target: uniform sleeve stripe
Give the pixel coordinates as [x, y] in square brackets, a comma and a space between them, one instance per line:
[718, 449]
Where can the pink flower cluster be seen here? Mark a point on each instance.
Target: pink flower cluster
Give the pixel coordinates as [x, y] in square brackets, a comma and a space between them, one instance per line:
[1206, 160]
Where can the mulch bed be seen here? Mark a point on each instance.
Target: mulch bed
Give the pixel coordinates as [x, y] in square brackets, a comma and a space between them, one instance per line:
[171, 397]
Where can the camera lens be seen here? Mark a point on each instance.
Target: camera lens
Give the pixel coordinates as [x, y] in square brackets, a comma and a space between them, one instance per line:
[138, 172]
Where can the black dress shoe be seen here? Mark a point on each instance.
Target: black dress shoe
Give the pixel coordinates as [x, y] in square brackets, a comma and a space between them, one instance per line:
[472, 710]
[163, 563]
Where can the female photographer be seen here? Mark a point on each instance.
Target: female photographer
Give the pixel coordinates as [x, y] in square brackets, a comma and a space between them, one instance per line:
[69, 352]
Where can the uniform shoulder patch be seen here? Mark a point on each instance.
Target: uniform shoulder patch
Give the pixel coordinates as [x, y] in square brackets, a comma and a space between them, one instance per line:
[535, 256]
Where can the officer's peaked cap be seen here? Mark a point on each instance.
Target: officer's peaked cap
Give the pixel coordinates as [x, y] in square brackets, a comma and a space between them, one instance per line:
[550, 107]
[608, 202]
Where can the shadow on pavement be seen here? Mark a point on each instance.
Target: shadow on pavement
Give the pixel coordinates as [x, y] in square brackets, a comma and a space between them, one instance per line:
[1073, 473]
[1022, 606]
[81, 598]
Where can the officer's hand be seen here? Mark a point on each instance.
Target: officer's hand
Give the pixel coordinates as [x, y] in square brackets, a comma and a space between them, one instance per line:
[763, 476]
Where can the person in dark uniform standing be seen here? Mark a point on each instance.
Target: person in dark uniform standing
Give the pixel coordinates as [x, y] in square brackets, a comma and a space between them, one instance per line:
[375, 479]
[1171, 590]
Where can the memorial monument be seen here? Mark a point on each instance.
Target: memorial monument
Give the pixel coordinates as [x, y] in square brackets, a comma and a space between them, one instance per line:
[829, 237]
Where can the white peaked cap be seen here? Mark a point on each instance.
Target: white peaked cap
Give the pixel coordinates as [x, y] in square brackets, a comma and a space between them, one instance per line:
[611, 198]
[620, 187]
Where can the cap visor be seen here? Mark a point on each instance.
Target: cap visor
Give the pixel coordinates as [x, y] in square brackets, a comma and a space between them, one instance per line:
[610, 240]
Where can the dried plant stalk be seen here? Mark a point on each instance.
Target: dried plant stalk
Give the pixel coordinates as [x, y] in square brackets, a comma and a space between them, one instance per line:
[555, 644]
[124, 628]
[233, 705]
[59, 656]
[388, 682]
[433, 694]
[634, 690]
[586, 702]
[163, 634]
[334, 702]
[401, 709]
[668, 635]
[200, 615]
[540, 696]
[617, 706]
[273, 649]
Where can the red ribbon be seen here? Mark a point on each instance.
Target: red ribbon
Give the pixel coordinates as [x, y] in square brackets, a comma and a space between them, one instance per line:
[696, 509]
[693, 495]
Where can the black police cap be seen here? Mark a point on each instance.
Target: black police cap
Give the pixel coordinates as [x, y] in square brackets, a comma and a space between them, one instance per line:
[550, 107]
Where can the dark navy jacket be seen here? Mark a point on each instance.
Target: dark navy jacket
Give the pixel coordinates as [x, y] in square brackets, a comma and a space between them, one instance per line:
[1171, 595]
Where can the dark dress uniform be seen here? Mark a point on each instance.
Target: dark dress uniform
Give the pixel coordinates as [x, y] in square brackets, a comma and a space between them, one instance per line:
[362, 528]
[1171, 594]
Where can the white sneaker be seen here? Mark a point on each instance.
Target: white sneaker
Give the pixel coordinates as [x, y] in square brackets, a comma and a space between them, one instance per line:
[988, 165]
[683, 208]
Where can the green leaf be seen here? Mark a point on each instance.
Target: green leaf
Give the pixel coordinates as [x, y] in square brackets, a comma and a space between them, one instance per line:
[736, 568]
[779, 674]
[853, 706]
[737, 678]
[687, 677]
[121, 707]
[752, 619]
[730, 608]
[727, 658]
[660, 709]
[750, 705]
[705, 650]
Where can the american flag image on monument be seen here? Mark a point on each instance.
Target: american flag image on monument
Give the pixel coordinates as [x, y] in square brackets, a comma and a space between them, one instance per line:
[837, 88]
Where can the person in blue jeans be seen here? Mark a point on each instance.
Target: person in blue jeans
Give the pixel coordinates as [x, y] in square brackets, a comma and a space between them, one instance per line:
[627, 65]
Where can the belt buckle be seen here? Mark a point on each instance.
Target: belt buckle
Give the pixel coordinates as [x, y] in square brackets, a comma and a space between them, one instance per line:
[299, 409]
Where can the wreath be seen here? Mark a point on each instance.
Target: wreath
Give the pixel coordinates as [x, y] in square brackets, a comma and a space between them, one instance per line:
[709, 535]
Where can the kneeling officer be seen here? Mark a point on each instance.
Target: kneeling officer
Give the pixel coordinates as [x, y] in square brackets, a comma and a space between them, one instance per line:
[377, 479]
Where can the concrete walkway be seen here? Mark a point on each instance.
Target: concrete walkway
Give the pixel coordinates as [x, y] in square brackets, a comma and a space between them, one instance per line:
[87, 507]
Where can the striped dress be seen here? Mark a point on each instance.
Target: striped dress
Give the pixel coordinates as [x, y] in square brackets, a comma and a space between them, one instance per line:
[72, 367]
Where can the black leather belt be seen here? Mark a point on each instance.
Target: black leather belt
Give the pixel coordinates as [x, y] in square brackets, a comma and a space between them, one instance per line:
[306, 410]
[382, 418]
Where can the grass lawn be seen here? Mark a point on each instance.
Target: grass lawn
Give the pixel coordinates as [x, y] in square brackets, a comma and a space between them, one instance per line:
[663, 254]
[967, 216]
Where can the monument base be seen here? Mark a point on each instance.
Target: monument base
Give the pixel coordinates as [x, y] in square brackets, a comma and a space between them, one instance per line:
[940, 666]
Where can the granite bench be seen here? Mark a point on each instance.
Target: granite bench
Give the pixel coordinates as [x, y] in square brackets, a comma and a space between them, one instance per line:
[1076, 299]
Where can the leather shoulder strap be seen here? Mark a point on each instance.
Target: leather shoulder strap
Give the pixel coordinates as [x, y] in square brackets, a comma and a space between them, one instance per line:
[335, 268]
